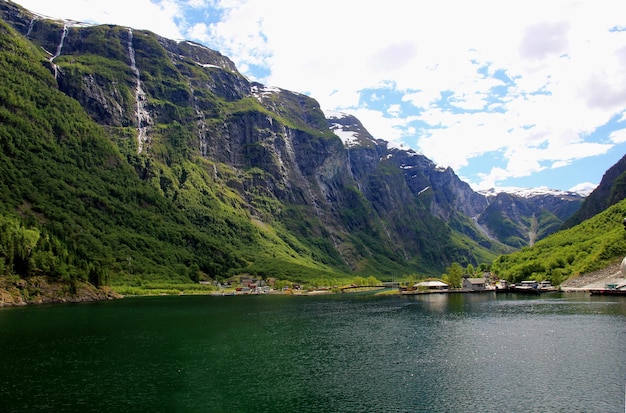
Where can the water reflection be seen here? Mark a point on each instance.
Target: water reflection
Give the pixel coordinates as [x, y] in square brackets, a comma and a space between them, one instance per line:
[435, 352]
[452, 303]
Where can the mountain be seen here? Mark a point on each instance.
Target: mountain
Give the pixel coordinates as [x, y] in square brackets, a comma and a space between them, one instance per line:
[611, 190]
[513, 217]
[132, 158]
[520, 217]
[589, 246]
[591, 239]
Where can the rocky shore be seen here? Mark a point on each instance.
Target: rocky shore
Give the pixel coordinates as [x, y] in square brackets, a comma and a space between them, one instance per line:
[41, 290]
[594, 280]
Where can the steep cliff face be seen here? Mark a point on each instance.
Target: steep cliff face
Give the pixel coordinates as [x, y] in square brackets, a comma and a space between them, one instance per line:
[611, 190]
[521, 219]
[413, 196]
[449, 194]
[317, 187]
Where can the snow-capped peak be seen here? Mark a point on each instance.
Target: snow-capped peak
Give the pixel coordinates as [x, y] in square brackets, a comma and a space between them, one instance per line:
[530, 192]
[349, 134]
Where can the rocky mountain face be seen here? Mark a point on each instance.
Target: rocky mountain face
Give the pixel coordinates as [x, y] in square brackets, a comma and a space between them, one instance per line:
[315, 187]
[521, 219]
[611, 190]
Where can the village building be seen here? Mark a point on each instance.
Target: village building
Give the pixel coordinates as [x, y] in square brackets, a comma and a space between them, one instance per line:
[431, 285]
[474, 284]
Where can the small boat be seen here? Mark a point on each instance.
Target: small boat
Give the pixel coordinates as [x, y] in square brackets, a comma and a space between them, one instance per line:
[526, 287]
[546, 287]
[502, 286]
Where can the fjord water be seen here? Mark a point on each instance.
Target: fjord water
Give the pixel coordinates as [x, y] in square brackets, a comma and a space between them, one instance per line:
[341, 353]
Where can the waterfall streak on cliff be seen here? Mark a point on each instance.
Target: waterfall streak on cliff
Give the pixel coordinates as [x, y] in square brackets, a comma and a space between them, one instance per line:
[143, 117]
[59, 49]
[290, 151]
[30, 27]
[349, 168]
[291, 154]
[318, 211]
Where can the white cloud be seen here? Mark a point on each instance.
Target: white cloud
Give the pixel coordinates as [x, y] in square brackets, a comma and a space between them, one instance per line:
[394, 110]
[378, 125]
[604, 91]
[199, 32]
[196, 4]
[583, 188]
[618, 136]
[392, 57]
[491, 179]
[159, 17]
[544, 39]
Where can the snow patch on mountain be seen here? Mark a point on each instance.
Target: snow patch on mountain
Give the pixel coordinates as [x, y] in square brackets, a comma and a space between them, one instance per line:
[207, 65]
[261, 92]
[350, 138]
[532, 192]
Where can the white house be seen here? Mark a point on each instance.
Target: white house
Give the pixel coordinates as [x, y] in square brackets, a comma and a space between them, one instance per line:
[431, 285]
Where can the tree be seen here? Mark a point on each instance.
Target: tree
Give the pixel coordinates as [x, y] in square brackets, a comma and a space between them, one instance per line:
[194, 272]
[453, 275]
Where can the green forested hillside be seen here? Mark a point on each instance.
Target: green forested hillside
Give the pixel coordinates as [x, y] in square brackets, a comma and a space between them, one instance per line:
[64, 177]
[588, 246]
[72, 205]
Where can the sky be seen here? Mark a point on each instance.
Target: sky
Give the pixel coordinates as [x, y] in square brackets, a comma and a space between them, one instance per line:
[516, 93]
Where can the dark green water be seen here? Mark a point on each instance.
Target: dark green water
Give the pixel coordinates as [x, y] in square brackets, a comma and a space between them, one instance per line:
[344, 353]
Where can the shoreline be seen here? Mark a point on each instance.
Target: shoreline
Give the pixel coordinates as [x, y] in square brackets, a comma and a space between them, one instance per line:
[595, 280]
[43, 290]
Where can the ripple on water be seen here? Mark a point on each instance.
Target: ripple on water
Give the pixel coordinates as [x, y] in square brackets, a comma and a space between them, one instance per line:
[461, 353]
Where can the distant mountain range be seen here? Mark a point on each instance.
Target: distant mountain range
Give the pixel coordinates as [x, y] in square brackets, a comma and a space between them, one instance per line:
[532, 192]
[157, 158]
